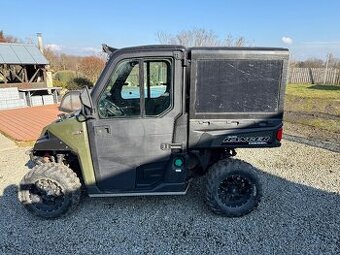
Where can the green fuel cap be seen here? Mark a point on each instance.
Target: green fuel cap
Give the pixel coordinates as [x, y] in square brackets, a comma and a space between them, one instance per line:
[178, 162]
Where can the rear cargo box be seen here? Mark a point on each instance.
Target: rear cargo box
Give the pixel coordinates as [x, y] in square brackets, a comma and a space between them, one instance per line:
[236, 91]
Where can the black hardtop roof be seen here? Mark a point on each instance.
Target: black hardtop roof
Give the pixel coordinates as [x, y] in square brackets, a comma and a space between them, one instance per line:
[236, 52]
[156, 47]
[161, 47]
[239, 48]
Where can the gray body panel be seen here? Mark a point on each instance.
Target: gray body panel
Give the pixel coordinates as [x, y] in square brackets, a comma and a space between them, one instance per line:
[128, 151]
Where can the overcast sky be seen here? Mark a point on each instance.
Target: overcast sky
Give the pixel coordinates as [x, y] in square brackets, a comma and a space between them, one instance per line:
[307, 28]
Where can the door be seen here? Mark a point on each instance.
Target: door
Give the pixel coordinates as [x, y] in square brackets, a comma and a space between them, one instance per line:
[137, 108]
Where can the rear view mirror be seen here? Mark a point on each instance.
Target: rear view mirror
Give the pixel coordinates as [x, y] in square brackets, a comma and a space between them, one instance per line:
[70, 102]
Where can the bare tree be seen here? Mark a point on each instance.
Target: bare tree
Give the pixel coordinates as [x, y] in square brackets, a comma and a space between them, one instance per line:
[8, 38]
[199, 37]
[309, 63]
[236, 42]
[91, 67]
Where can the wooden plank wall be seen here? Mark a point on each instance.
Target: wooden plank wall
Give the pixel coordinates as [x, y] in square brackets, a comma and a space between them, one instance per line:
[314, 75]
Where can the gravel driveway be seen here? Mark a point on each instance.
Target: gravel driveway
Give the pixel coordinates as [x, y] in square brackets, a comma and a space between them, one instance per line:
[299, 213]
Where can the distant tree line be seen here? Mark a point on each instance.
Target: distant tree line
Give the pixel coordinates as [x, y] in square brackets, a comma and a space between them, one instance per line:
[8, 38]
[330, 61]
[72, 72]
[200, 37]
[68, 69]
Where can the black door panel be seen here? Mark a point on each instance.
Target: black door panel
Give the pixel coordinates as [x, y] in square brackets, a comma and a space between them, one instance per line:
[131, 144]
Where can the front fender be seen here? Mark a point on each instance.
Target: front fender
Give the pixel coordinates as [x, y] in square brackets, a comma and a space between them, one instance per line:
[68, 135]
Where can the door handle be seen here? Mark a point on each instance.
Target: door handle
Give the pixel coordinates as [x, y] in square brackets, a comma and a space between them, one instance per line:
[102, 130]
[171, 146]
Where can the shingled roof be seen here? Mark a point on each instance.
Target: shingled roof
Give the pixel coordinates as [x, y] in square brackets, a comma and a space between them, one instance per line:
[22, 54]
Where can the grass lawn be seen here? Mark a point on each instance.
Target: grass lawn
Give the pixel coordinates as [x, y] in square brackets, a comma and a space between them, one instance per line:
[314, 91]
[313, 105]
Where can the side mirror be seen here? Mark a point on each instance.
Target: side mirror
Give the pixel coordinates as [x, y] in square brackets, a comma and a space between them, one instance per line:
[70, 102]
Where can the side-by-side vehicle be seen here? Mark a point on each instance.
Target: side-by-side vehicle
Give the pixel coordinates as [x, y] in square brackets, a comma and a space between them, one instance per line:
[158, 117]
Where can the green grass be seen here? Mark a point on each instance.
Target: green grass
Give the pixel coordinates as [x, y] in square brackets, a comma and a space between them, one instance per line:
[312, 105]
[313, 98]
[305, 98]
[314, 91]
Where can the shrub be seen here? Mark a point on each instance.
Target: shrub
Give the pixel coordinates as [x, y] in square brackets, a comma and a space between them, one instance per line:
[64, 76]
[79, 83]
[57, 83]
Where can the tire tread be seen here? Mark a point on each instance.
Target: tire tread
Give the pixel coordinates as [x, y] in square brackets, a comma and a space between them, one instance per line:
[221, 168]
[65, 176]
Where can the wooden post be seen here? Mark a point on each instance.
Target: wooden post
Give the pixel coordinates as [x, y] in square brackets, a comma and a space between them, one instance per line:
[335, 76]
[44, 75]
[25, 74]
[5, 73]
[311, 75]
[326, 70]
[29, 102]
[55, 96]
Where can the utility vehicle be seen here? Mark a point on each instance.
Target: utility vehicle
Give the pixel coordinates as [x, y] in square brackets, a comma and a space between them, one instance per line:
[158, 117]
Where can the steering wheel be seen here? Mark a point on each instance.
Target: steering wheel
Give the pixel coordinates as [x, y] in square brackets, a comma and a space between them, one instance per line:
[108, 109]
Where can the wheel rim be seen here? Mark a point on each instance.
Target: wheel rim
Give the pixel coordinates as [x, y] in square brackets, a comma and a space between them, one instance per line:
[235, 190]
[46, 195]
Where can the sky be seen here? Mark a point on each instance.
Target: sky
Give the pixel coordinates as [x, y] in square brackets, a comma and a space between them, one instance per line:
[310, 29]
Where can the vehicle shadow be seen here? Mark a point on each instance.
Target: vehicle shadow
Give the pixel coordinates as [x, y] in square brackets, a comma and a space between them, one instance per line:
[325, 87]
[292, 219]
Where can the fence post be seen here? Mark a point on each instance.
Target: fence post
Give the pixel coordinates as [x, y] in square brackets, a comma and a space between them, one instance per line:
[311, 78]
[326, 69]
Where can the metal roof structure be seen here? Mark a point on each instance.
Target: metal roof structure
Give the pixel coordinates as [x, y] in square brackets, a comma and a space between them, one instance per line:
[21, 54]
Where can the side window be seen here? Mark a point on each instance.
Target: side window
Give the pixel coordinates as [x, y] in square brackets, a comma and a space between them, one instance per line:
[130, 89]
[157, 86]
[121, 97]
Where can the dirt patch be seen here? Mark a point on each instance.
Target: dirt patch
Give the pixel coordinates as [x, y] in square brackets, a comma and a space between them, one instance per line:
[312, 136]
[296, 115]
[318, 120]
[312, 115]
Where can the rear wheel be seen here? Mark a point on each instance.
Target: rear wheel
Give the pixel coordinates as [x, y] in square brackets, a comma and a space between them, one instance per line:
[232, 189]
[50, 190]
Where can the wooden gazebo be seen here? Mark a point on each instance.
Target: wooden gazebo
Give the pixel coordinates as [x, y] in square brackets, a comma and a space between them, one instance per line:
[22, 66]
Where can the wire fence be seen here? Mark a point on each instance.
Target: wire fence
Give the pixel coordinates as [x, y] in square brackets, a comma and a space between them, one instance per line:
[314, 75]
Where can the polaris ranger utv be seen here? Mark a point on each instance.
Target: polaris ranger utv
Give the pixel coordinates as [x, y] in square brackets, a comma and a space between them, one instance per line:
[157, 117]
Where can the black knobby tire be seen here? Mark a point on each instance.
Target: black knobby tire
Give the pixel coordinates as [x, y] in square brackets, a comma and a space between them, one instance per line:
[232, 188]
[50, 190]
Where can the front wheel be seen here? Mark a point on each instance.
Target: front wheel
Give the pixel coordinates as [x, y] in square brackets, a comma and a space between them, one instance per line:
[232, 189]
[50, 190]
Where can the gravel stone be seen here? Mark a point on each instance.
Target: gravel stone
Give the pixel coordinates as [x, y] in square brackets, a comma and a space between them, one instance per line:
[299, 213]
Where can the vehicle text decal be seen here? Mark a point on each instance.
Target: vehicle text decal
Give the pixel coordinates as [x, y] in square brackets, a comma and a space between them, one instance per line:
[247, 139]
